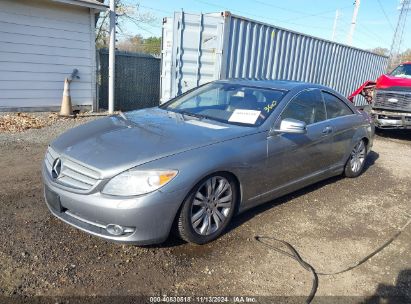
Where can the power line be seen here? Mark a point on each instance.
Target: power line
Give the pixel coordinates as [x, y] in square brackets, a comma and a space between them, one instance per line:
[130, 36]
[152, 25]
[399, 31]
[340, 32]
[319, 14]
[385, 14]
[138, 24]
[260, 16]
[365, 32]
[156, 9]
[144, 29]
[304, 15]
[278, 7]
[212, 4]
[370, 35]
[366, 29]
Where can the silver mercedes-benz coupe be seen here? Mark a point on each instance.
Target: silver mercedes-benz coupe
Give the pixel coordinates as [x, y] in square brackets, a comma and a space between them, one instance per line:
[192, 163]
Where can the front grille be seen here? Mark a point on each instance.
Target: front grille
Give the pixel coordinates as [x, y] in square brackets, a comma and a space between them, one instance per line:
[72, 174]
[386, 100]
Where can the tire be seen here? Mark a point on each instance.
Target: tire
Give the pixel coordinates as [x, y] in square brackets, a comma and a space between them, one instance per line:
[356, 162]
[208, 209]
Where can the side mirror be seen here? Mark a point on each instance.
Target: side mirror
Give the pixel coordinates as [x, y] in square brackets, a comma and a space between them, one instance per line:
[289, 125]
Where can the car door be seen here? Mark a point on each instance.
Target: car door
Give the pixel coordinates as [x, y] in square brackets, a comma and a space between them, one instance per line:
[296, 156]
[341, 119]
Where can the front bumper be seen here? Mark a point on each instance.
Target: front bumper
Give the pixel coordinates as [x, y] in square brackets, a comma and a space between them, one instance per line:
[147, 219]
[391, 120]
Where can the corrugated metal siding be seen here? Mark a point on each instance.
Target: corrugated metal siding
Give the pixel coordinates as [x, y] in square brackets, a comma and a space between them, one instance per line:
[258, 50]
[40, 44]
[251, 49]
[191, 53]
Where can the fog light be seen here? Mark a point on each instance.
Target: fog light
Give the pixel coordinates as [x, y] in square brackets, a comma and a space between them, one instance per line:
[115, 229]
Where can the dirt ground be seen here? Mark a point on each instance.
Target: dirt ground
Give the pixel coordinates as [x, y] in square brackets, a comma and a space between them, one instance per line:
[333, 225]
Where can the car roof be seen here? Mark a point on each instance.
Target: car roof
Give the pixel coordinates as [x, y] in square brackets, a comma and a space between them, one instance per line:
[287, 85]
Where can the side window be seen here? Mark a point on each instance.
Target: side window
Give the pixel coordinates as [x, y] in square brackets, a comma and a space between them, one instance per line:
[335, 106]
[307, 106]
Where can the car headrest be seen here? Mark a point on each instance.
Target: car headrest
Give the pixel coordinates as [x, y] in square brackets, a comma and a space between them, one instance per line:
[247, 102]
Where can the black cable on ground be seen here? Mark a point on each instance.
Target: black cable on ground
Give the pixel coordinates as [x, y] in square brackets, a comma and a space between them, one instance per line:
[293, 253]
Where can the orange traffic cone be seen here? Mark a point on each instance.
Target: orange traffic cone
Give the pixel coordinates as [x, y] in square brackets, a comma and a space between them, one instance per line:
[66, 107]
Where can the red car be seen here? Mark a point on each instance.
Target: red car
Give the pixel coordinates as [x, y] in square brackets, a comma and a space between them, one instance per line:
[390, 98]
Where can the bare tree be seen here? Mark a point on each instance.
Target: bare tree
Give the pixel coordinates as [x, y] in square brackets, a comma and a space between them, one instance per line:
[403, 57]
[136, 43]
[127, 11]
[406, 56]
[381, 51]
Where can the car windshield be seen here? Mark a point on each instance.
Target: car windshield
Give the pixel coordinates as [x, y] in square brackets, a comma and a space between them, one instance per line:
[228, 103]
[403, 71]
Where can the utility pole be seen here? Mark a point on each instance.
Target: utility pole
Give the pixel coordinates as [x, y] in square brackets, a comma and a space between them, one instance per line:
[353, 21]
[112, 57]
[337, 15]
[399, 33]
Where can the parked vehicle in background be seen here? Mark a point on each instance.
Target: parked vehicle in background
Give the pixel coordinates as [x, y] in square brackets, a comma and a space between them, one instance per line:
[390, 98]
[197, 160]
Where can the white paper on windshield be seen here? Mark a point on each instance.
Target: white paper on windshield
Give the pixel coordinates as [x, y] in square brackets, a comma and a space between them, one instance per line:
[244, 116]
[205, 124]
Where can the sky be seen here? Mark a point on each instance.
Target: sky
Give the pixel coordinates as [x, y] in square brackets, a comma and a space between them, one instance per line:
[375, 27]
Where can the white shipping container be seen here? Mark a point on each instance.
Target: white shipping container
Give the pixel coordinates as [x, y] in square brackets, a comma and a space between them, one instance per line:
[199, 48]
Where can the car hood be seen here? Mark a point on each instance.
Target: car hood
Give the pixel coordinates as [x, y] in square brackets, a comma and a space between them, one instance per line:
[116, 143]
[387, 81]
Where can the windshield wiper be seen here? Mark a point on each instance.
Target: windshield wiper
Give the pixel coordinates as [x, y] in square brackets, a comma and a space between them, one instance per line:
[199, 116]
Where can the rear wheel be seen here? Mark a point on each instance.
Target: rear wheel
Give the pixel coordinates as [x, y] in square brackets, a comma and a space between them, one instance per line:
[208, 209]
[356, 161]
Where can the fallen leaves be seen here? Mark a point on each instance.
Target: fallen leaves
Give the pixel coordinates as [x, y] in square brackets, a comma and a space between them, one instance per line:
[22, 121]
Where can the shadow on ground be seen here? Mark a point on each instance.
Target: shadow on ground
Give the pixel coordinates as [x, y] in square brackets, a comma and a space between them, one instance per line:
[248, 215]
[400, 293]
[396, 134]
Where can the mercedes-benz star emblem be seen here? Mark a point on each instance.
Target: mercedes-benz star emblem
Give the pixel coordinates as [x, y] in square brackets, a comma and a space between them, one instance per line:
[55, 171]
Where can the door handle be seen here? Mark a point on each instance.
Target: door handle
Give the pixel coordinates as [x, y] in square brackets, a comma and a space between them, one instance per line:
[327, 130]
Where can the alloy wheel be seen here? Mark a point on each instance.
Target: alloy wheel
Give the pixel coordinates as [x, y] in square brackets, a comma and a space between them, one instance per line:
[211, 205]
[357, 157]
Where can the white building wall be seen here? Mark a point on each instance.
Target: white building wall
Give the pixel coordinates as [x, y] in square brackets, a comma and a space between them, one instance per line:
[41, 42]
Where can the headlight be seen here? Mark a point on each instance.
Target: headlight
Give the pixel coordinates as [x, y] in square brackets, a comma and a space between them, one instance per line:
[135, 182]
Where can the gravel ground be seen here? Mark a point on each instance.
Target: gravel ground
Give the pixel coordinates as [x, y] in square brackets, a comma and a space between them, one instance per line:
[333, 224]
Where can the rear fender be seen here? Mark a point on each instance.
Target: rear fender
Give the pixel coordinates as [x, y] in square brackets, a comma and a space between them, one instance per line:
[361, 133]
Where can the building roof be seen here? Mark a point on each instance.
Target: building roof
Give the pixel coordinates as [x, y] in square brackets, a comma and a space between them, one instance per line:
[85, 3]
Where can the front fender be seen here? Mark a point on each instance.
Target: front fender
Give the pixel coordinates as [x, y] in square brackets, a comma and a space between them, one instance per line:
[243, 157]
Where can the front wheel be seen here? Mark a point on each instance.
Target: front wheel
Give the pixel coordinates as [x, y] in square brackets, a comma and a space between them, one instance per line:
[208, 209]
[356, 161]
